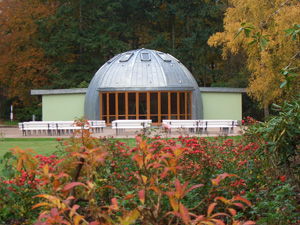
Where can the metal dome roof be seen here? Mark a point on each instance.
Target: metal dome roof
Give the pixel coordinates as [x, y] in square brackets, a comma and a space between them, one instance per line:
[141, 70]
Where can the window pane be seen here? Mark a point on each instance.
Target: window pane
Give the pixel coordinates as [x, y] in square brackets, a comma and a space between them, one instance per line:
[164, 117]
[173, 103]
[111, 118]
[182, 103]
[143, 104]
[154, 119]
[189, 103]
[112, 104]
[153, 103]
[121, 103]
[164, 103]
[104, 104]
[131, 104]
[132, 117]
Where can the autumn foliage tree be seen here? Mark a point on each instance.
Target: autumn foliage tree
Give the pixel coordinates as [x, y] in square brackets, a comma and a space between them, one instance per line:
[263, 38]
[22, 65]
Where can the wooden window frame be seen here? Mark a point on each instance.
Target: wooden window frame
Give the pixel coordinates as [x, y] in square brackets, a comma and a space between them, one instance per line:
[187, 95]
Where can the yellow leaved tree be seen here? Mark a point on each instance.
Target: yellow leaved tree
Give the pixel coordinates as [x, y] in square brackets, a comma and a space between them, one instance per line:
[268, 48]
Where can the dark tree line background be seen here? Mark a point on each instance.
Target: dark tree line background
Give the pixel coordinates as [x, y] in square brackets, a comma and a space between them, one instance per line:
[74, 38]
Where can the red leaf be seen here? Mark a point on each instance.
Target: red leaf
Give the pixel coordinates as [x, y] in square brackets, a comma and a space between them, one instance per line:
[218, 222]
[192, 188]
[249, 223]
[142, 196]
[239, 205]
[73, 184]
[178, 189]
[114, 204]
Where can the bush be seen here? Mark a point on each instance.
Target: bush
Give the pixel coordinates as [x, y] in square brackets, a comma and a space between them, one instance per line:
[188, 180]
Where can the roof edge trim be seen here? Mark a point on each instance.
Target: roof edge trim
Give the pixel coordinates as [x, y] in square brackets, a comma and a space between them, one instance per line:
[58, 91]
[144, 89]
[222, 90]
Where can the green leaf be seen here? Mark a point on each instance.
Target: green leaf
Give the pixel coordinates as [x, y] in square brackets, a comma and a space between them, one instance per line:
[238, 33]
[283, 84]
[289, 31]
[247, 32]
[292, 73]
[252, 42]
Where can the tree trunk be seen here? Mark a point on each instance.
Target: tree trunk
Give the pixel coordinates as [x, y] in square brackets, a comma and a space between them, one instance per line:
[266, 111]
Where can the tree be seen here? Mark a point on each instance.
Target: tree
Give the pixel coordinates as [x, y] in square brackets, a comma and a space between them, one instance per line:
[271, 50]
[22, 65]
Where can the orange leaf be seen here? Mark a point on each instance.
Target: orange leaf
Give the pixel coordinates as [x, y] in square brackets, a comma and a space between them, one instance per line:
[173, 203]
[155, 189]
[178, 150]
[211, 208]
[218, 222]
[139, 159]
[142, 196]
[144, 178]
[41, 204]
[74, 208]
[222, 199]
[148, 157]
[77, 219]
[215, 182]
[232, 211]
[46, 169]
[242, 199]
[128, 197]
[184, 214]
[56, 184]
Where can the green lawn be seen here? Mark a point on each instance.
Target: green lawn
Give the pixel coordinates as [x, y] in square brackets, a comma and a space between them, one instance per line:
[44, 146]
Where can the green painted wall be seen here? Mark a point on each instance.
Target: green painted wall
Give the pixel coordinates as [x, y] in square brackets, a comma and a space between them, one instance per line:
[62, 107]
[222, 105]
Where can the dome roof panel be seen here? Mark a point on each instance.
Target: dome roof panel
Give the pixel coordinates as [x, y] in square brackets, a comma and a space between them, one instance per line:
[138, 70]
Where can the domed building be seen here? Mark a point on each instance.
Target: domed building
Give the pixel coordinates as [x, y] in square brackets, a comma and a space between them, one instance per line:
[143, 84]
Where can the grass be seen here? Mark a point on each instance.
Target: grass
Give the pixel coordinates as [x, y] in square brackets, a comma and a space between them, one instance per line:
[10, 123]
[44, 146]
[47, 146]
